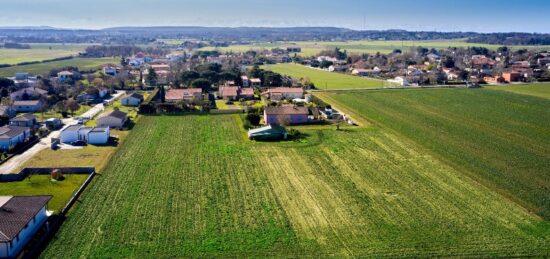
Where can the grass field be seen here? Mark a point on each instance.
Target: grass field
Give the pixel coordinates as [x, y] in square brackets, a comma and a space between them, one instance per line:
[41, 185]
[538, 90]
[39, 52]
[310, 48]
[44, 68]
[323, 79]
[498, 138]
[193, 186]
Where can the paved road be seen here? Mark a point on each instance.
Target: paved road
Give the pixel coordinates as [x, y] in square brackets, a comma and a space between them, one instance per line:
[13, 164]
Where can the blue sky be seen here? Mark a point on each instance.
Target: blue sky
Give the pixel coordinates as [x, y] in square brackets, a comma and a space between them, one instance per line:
[438, 15]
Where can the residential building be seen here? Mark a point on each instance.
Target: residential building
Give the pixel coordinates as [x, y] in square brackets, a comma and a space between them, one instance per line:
[20, 219]
[285, 115]
[366, 72]
[511, 76]
[110, 70]
[64, 75]
[28, 106]
[229, 92]
[293, 49]
[7, 111]
[133, 99]
[103, 91]
[28, 93]
[185, 94]
[246, 93]
[255, 82]
[493, 80]
[113, 119]
[24, 120]
[94, 136]
[11, 136]
[399, 81]
[289, 93]
[245, 81]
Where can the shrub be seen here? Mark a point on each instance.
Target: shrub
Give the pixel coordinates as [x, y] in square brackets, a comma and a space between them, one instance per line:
[57, 175]
[253, 119]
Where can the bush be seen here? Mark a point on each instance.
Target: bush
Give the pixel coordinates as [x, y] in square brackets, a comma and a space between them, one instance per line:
[57, 175]
[253, 119]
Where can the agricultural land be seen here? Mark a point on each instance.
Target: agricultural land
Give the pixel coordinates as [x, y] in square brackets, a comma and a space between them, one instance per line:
[44, 68]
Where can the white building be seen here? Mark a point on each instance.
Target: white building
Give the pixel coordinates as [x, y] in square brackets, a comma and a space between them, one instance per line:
[10, 136]
[399, 81]
[134, 99]
[94, 136]
[20, 218]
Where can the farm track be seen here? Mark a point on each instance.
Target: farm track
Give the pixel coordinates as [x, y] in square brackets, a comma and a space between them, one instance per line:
[190, 186]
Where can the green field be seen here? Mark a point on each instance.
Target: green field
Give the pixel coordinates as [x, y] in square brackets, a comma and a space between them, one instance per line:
[193, 186]
[310, 48]
[325, 80]
[39, 52]
[538, 90]
[41, 185]
[44, 68]
[498, 138]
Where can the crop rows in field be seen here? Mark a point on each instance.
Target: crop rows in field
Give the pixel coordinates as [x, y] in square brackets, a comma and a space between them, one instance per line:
[499, 138]
[187, 186]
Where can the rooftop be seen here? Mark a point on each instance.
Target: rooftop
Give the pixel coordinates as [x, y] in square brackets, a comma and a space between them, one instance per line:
[286, 90]
[287, 110]
[24, 117]
[11, 131]
[179, 94]
[16, 212]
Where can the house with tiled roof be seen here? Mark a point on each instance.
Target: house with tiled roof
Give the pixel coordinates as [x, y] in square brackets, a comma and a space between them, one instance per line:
[185, 94]
[289, 93]
[20, 219]
[285, 115]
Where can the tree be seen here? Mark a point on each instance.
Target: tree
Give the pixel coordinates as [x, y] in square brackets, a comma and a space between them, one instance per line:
[152, 77]
[202, 83]
[188, 76]
[72, 105]
[123, 61]
[5, 83]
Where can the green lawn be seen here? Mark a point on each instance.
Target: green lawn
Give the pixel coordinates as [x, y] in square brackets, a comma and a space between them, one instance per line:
[310, 48]
[192, 186]
[39, 52]
[44, 68]
[539, 90]
[498, 138]
[42, 185]
[325, 80]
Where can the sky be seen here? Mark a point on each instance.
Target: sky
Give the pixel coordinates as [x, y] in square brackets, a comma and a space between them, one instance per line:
[413, 15]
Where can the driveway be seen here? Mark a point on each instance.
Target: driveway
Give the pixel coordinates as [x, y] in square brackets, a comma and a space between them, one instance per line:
[13, 164]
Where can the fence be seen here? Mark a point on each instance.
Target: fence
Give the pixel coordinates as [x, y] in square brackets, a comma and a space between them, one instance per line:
[44, 171]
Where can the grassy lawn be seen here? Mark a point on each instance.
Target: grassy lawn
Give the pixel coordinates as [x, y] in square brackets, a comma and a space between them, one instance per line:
[498, 138]
[94, 156]
[192, 186]
[539, 90]
[39, 52]
[41, 185]
[325, 80]
[44, 68]
[311, 48]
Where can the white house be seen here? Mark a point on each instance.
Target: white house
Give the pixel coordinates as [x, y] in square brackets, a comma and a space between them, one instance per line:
[20, 218]
[28, 106]
[102, 91]
[64, 75]
[10, 136]
[113, 119]
[94, 136]
[399, 81]
[28, 93]
[99, 136]
[134, 99]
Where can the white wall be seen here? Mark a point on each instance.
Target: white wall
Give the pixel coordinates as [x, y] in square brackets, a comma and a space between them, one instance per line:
[69, 136]
[98, 138]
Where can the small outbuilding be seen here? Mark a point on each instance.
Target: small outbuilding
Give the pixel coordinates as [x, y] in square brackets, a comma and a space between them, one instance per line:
[270, 132]
[132, 100]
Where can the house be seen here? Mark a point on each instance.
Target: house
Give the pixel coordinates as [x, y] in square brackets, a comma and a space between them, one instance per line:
[103, 91]
[286, 115]
[366, 72]
[113, 119]
[53, 123]
[7, 111]
[10, 136]
[493, 80]
[29, 93]
[28, 106]
[255, 82]
[280, 93]
[20, 218]
[24, 120]
[94, 136]
[399, 81]
[543, 61]
[521, 65]
[245, 81]
[64, 75]
[338, 68]
[482, 61]
[293, 49]
[21, 76]
[133, 99]
[229, 92]
[110, 70]
[511, 76]
[269, 132]
[246, 93]
[186, 94]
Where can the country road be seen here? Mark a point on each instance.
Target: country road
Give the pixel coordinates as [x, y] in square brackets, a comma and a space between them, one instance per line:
[13, 164]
